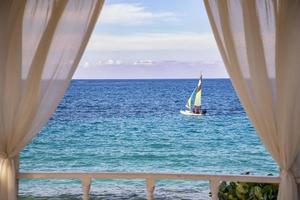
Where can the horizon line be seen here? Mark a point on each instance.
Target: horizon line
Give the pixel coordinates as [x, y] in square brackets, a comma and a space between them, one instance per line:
[146, 78]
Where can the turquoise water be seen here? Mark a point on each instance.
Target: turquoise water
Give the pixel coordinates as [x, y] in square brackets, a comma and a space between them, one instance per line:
[135, 126]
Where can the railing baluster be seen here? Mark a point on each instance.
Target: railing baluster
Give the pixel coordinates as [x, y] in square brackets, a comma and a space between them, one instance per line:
[86, 186]
[214, 188]
[150, 183]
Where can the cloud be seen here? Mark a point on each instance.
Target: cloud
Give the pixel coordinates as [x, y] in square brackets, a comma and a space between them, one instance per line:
[109, 62]
[143, 62]
[148, 62]
[152, 41]
[86, 64]
[158, 69]
[132, 14]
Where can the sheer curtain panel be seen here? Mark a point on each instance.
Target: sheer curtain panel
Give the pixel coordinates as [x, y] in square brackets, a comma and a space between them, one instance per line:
[41, 43]
[260, 44]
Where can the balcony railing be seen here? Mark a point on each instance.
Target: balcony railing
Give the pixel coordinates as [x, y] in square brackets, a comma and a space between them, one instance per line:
[150, 178]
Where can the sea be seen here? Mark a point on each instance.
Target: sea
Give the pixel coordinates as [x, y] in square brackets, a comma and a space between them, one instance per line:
[136, 126]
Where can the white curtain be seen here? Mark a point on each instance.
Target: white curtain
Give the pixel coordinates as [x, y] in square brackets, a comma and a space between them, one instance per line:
[259, 41]
[41, 43]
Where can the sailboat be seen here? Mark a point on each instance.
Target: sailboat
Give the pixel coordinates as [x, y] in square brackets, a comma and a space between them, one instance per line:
[193, 105]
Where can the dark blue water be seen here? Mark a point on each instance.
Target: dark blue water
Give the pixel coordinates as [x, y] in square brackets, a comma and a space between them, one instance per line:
[135, 126]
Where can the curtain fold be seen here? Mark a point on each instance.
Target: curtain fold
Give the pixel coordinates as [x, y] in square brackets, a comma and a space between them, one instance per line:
[259, 43]
[41, 45]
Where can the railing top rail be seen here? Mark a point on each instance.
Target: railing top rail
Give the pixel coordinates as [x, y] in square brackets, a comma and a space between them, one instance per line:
[141, 175]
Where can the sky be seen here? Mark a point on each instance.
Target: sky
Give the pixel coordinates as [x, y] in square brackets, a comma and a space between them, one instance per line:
[136, 39]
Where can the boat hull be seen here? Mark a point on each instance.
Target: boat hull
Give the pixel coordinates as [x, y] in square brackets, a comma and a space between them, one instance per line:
[187, 112]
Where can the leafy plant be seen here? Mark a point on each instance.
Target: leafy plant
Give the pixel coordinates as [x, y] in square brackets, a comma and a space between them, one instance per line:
[247, 191]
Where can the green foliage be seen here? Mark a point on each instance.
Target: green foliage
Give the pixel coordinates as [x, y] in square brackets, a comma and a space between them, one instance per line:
[247, 191]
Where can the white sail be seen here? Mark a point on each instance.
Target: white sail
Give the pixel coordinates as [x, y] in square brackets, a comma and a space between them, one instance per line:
[197, 101]
[195, 98]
